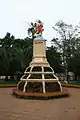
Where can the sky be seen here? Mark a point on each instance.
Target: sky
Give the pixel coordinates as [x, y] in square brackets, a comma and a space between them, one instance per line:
[16, 14]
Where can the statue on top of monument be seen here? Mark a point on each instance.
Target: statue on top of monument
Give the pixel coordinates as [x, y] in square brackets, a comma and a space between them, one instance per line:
[35, 29]
[39, 27]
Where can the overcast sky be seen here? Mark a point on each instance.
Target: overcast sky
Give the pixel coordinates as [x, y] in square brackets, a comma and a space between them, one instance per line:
[15, 13]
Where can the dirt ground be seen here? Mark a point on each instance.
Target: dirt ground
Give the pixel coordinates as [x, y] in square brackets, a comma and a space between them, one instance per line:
[12, 108]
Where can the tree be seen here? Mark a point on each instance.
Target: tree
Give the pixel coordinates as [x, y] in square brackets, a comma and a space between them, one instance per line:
[54, 59]
[66, 41]
[32, 30]
[21, 54]
[15, 54]
[5, 45]
[74, 62]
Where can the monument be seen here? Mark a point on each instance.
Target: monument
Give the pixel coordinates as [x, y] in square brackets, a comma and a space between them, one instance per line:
[39, 78]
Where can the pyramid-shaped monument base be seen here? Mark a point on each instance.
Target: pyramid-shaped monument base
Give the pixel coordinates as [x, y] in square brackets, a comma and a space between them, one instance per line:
[39, 79]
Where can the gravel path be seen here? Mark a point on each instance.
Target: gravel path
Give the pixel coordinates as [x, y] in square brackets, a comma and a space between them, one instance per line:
[12, 108]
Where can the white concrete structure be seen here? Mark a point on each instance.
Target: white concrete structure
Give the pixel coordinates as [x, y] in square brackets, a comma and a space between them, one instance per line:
[39, 76]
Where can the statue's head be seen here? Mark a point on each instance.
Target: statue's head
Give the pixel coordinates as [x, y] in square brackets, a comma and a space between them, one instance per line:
[38, 22]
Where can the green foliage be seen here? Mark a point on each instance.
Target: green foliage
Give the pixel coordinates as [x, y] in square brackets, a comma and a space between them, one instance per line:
[32, 30]
[15, 54]
[21, 85]
[54, 59]
[68, 44]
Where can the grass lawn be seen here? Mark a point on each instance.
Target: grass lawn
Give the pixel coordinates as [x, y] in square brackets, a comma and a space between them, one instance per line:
[7, 82]
[72, 83]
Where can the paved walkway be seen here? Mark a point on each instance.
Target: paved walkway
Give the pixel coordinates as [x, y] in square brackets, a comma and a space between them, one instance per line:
[12, 108]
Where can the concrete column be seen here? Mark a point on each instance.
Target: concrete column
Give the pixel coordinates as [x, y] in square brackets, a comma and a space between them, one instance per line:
[60, 85]
[25, 86]
[43, 87]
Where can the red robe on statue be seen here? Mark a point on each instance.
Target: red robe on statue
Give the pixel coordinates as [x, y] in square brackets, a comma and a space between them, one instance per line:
[39, 29]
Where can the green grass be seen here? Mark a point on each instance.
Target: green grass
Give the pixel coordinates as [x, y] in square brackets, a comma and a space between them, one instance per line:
[7, 82]
[4, 84]
[72, 83]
